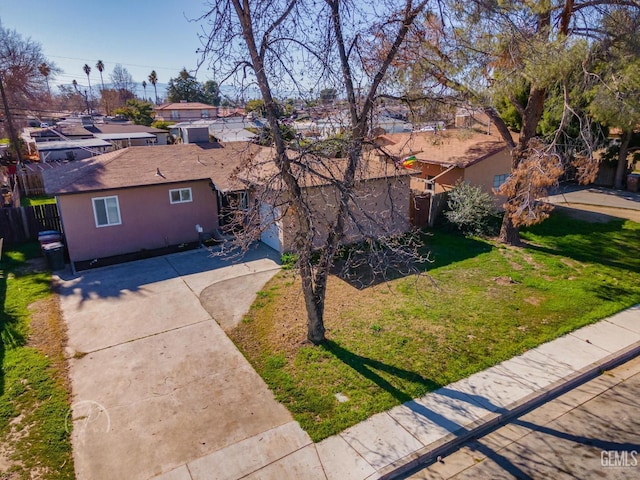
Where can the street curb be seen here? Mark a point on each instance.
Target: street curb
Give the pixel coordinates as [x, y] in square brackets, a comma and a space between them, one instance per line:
[485, 425]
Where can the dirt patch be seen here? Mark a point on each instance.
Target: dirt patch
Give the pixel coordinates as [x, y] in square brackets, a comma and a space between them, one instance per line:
[48, 334]
[286, 330]
[533, 301]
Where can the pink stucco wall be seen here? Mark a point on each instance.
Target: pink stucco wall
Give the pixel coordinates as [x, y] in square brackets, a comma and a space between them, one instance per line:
[149, 220]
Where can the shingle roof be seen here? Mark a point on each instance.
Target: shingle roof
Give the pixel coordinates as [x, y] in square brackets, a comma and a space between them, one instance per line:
[313, 171]
[162, 164]
[184, 106]
[459, 147]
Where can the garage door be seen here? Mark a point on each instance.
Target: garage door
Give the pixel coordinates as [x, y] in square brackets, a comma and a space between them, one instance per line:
[272, 233]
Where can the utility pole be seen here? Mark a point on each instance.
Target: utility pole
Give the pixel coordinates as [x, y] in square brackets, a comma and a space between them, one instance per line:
[12, 132]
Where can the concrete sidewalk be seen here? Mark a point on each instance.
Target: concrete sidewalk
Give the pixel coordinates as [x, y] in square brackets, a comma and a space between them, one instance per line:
[392, 443]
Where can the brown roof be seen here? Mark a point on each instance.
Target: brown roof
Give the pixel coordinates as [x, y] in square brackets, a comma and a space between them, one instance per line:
[312, 170]
[458, 147]
[124, 128]
[162, 164]
[184, 106]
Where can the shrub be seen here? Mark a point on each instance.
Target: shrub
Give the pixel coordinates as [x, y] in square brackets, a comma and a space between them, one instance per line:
[288, 261]
[471, 210]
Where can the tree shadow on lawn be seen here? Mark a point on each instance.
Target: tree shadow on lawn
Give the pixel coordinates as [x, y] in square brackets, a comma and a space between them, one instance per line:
[367, 368]
[367, 268]
[608, 244]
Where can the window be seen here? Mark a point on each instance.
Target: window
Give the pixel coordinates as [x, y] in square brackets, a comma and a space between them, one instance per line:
[204, 113]
[106, 211]
[175, 114]
[498, 180]
[180, 195]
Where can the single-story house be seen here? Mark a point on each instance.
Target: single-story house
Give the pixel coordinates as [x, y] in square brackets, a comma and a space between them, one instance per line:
[444, 158]
[69, 150]
[141, 199]
[233, 129]
[80, 138]
[185, 111]
[129, 135]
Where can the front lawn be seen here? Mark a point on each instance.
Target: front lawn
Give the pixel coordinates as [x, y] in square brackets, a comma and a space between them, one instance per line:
[479, 305]
[34, 429]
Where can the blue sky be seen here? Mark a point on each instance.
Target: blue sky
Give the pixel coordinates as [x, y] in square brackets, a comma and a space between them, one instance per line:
[141, 35]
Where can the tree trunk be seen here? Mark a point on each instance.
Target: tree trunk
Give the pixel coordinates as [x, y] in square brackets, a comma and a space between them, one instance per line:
[621, 169]
[509, 233]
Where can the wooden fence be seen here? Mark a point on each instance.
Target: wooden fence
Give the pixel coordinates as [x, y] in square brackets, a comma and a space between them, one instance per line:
[22, 224]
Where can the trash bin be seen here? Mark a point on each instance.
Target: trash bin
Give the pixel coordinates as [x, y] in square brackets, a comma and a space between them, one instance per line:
[49, 236]
[54, 253]
[632, 182]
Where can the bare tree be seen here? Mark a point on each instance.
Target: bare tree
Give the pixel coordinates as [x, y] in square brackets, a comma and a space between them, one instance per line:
[264, 43]
[22, 84]
[123, 83]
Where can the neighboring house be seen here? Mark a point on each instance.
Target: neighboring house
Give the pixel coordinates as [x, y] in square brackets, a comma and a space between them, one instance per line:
[141, 199]
[69, 150]
[443, 158]
[185, 111]
[129, 135]
[232, 129]
[79, 138]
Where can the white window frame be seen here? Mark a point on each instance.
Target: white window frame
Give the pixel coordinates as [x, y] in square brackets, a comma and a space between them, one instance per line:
[499, 180]
[109, 223]
[175, 115]
[182, 199]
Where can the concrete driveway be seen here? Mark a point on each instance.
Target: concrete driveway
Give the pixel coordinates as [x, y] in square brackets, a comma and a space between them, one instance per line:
[156, 383]
[597, 203]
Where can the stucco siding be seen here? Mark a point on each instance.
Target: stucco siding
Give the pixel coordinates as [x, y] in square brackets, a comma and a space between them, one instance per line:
[482, 173]
[148, 220]
[382, 209]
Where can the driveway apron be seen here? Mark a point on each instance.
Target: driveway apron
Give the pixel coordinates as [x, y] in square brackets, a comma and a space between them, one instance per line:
[156, 383]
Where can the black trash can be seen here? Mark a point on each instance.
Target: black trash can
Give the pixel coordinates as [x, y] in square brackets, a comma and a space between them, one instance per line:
[54, 253]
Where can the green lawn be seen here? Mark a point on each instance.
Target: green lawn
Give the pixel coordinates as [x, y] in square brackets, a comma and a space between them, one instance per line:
[480, 304]
[33, 397]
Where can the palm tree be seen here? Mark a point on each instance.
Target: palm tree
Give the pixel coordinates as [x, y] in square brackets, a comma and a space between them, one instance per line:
[153, 78]
[100, 67]
[75, 85]
[144, 87]
[45, 70]
[87, 71]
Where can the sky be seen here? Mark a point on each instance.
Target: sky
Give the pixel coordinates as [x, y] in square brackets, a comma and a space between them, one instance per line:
[141, 35]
